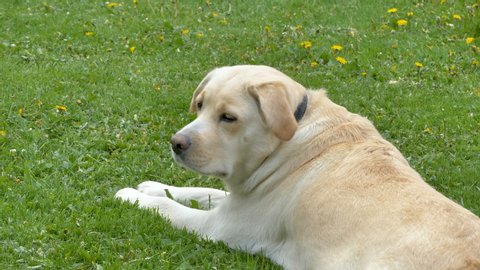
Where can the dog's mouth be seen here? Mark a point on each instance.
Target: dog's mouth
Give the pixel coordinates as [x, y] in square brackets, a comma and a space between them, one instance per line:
[179, 158]
[182, 160]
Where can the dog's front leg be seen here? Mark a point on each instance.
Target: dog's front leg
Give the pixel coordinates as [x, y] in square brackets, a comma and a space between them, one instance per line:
[206, 197]
[193, 220]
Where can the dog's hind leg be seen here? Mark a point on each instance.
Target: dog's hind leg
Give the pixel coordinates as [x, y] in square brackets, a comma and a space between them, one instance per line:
[206, 197]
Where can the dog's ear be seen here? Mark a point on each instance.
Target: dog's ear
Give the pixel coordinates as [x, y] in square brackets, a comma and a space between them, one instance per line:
[198, 91]
[276, 108]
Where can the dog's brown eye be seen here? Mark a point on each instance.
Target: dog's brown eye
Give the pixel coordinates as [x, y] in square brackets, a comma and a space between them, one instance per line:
[199, 105]
[228, 118]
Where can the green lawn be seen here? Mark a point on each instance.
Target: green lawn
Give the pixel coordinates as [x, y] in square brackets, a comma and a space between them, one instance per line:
[90, 93]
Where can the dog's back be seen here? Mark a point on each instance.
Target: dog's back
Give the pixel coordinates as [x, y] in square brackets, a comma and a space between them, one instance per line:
[368, 209]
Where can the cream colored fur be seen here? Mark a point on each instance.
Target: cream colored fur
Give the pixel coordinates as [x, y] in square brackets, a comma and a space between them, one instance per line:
[327, 192]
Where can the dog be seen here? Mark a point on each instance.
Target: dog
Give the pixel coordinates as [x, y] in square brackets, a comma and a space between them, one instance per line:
[310, 185]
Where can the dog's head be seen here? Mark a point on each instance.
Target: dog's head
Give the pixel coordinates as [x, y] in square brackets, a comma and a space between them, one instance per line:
[243, 114]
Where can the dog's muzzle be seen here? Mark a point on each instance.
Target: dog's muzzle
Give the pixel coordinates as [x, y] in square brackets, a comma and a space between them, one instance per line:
[180, 143]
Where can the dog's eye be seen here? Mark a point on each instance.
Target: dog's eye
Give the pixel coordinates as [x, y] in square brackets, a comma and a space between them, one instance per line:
[228, 118]
[199, 105]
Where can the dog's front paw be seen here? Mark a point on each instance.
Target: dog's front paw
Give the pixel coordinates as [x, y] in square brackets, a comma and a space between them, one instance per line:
[130, 195]
[142, 200]
[153, 188]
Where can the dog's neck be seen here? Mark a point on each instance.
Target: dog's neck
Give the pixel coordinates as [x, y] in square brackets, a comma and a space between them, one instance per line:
[302, 107]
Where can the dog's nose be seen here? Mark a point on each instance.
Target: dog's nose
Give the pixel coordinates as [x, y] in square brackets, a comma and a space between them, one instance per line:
[180, 143]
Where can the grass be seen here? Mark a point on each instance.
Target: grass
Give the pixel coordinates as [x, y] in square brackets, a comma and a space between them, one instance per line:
[91, 93]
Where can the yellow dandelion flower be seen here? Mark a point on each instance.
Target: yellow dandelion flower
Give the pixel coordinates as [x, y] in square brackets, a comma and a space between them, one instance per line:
[214, 14]
[402, 22]
[341, 60]
[337, 47]
[160, 38]
[185, 31]
[135, 2]
[457, 17]
[199, 35]
[113, 4]
[306, 44]
[453, 70]
[410, 14]
[427, 130]
[475, 63]
[3, 133]
[314, 64]
[392, 10]
[364, 74]
[224, 21]
[267, 29]
[470, 40]
[443, 1]
[89, 33]
[132, 49]
[418, 64]
[61, 108]
[21, 111]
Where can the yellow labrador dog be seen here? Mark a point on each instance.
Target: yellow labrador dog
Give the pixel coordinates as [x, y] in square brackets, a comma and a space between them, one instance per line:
[310, 185]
